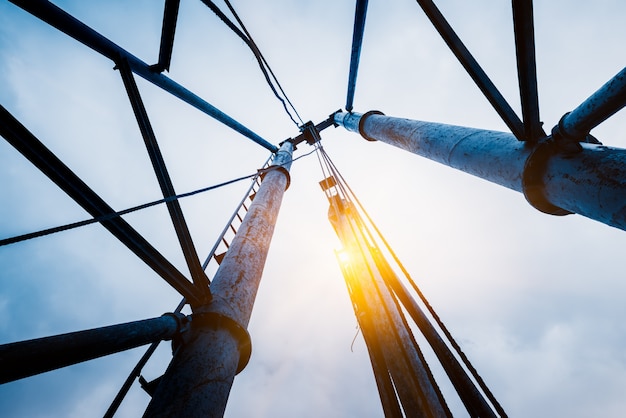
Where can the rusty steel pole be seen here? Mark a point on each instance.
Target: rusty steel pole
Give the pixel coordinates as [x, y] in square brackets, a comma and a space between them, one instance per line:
[217, 347]
[591, 183]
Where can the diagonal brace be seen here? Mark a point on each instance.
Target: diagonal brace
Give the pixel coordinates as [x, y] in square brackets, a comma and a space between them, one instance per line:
[41, 157]
[472, 67]
[200, 279]
[73, 27]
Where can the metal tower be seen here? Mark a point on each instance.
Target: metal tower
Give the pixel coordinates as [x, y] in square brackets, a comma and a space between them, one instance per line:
[560, 171]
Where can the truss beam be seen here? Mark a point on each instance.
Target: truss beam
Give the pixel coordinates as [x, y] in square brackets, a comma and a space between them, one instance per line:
[472, 67]
[200, 279]
[170, 15]
[49, 164]
[73, 27]
[524, 30]
[355, 54]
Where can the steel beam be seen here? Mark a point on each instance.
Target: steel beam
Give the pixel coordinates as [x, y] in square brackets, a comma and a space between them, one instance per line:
[28, 358]
[170, 15]
[73, 27]
[602, 104]
[198, 380]
[200, 279]
[472, 67]
[49, 164]
[527, 68]
[355, 54]
[591, 183]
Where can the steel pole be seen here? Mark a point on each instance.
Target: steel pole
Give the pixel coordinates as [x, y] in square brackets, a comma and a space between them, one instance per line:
[198, 380]
[606, 101]
[27, 358]
[591, 183]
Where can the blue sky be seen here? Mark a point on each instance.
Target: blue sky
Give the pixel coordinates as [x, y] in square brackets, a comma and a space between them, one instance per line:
[535, 301]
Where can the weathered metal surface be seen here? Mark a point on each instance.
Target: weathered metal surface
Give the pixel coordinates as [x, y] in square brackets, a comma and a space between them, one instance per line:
[27, 358]
[71, 26]
[41, 157]
[591, 183]
[199, 378]
[607, 100]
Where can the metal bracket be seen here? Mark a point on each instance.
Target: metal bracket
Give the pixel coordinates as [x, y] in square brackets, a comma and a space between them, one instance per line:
[311, 133]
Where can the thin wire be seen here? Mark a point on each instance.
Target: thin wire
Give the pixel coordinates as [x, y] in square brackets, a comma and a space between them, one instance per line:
[247, 39]
[112, 215]
[257, 50]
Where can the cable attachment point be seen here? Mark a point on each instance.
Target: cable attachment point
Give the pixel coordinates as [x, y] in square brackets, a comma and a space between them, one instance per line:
[310, 132]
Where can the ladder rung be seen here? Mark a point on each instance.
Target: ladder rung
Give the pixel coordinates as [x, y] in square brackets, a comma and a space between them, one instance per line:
[219, 257]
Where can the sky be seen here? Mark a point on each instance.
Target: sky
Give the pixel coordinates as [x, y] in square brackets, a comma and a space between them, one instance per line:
[535, 301]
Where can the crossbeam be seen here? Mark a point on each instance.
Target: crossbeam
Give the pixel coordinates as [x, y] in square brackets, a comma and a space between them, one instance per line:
[68, 24]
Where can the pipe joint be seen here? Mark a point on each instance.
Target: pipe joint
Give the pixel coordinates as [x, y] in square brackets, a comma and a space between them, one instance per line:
[532, 178]
[362, 121]
[216, 320]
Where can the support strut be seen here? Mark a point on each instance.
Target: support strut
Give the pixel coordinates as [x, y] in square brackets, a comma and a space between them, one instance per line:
[591, 183]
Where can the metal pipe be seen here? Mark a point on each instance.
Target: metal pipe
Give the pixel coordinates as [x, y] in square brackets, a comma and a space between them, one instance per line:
[474, 69]
[355, 54]
[136, 372]
[527, 68]
[73, 27]
[41, 157]
[198, 380]
[28, 358]
[591, 183]
[598, 107]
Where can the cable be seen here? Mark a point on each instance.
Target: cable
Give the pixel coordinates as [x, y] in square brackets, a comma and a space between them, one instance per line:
[109, 216]
[247, 39]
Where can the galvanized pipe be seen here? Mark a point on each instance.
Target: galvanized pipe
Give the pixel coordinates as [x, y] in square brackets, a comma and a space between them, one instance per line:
[73, 27]
[591, 183]
[27, 358]
[606, 101]
[198, 380]
[355, 54]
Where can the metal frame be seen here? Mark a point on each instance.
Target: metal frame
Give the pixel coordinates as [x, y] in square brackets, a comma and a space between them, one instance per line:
[574, 127]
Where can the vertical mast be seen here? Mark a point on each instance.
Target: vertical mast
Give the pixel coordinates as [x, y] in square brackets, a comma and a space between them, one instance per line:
[217, 347]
